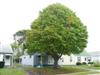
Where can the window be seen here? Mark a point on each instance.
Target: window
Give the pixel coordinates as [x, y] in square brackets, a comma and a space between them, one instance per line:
[85, 59]
[79, 59]
[7, 57]
[89, 59]
[30, 56]
[70, 58]
[24, 57]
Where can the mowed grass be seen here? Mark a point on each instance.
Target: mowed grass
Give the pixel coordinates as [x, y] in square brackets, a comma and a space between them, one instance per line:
[84, 73]
[11, 71]
[89, 67]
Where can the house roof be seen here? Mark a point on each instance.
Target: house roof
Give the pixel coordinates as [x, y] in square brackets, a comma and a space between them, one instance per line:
[96, 53]
[6, 50]
[84, 53]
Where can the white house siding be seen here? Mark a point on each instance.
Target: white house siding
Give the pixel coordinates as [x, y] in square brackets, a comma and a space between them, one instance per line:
[1, 57]
[64, 60]
[67, 60]
[96, 58]
[82, 59]
[27, 60]
[7, 58]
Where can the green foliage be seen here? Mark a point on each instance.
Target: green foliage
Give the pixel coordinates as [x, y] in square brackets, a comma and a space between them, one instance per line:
[78, 63]
[14, 46]
[96, 64]
[90, 62]
[18, 45]
[21, 33]
[84, 63]
[57, 31]
[16, 49]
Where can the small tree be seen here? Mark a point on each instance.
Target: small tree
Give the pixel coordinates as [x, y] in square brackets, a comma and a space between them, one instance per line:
[57, 31]
[20, 41]
[18, 44]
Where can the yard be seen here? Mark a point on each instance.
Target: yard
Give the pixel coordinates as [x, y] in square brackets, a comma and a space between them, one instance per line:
[11, 71]
[66, 70]
[84, 73]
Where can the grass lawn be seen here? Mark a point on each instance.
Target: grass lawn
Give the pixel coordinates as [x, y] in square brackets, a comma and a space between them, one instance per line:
[83, 73]
[11, 71]
[97, 68]
[52, 71]
[86, 66]
[68, 70]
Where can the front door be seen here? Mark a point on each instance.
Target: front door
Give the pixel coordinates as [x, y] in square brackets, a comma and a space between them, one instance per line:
[38, 60]
[7, 60]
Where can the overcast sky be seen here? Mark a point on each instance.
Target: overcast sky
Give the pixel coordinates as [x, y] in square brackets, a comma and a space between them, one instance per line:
[19, 14]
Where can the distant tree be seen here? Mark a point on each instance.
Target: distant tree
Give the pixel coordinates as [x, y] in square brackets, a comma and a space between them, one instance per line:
[20, 41]
[20, 33]
[18, 44]
[57, 31]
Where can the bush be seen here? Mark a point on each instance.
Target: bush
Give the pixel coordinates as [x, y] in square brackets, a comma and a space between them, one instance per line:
[90, 62]
[96, 64]
[2, 64]
[78, 63]
[83, 63]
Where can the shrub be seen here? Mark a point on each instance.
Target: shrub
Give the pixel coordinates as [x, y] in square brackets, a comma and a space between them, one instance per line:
[2, 64]
[78, 63]
[83, 63]
[90, 62]
[96, 64]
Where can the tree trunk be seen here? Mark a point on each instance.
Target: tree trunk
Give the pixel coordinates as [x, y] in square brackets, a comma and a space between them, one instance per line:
[56, 62]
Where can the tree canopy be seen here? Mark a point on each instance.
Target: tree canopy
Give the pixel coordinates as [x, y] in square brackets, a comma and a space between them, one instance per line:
[57, 31]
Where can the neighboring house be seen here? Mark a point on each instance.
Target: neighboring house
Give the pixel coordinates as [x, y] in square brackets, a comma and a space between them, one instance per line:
[84, 57]
[95, 56]
[36, 59]
[6, 55]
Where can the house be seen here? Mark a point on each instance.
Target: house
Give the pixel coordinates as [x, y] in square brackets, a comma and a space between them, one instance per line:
[84, 57]
[95, 56]
[6, 55]
[38, 59]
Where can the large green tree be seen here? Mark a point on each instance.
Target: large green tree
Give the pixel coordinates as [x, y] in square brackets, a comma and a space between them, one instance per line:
[57, 31]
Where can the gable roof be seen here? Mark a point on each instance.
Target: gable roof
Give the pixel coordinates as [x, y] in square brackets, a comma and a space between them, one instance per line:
[6, 50]
[96, 53]
[84, 53]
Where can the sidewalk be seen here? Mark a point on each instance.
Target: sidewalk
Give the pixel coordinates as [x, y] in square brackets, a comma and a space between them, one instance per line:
[91, 69]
